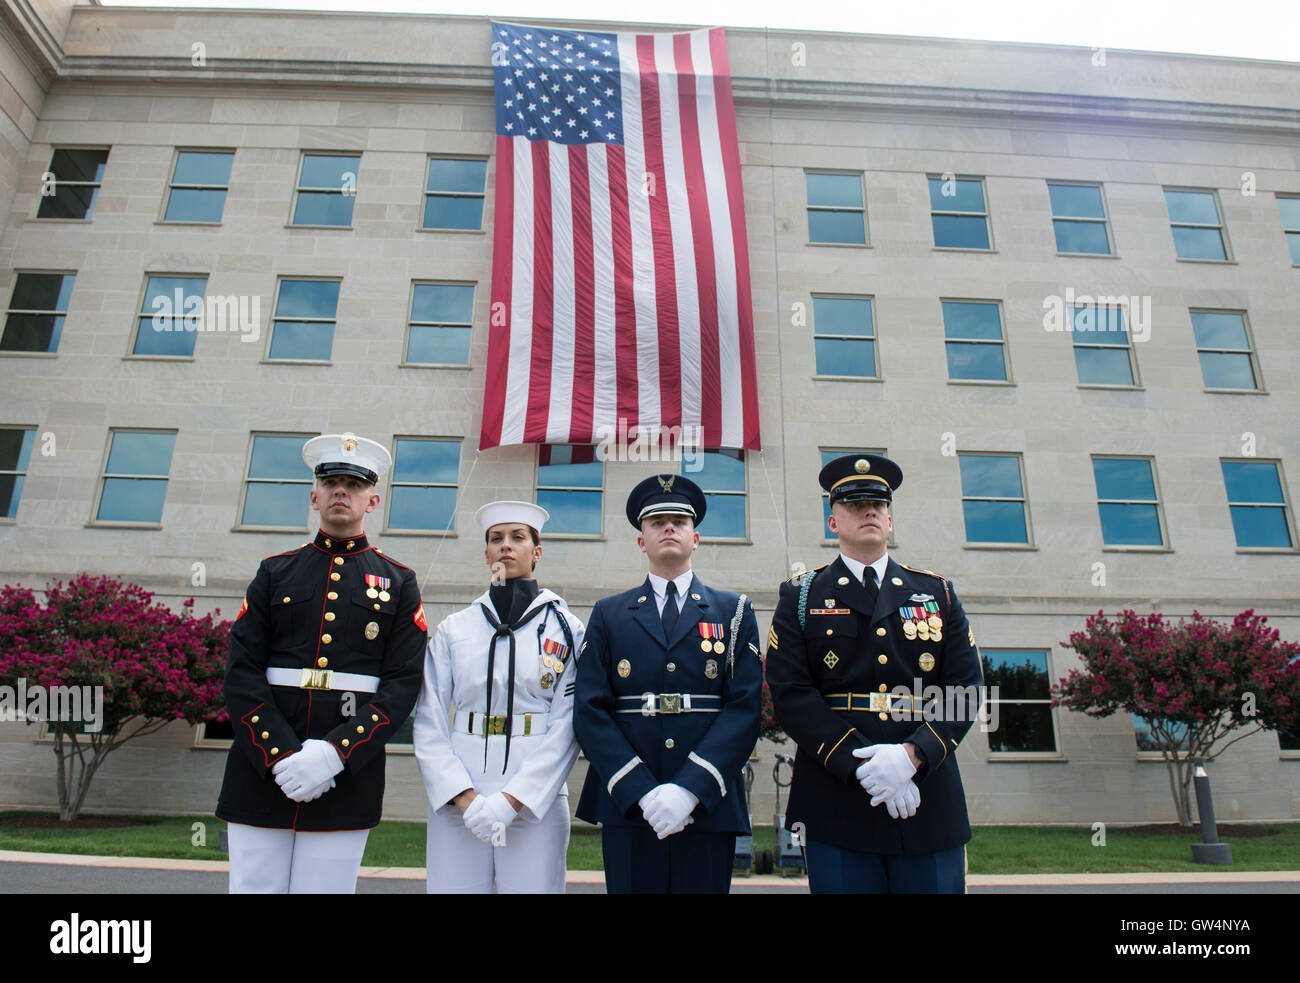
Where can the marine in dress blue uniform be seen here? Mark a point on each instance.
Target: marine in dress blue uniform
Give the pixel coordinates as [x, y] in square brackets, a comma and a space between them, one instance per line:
[325, 664]
[853, 652]
[667, 709]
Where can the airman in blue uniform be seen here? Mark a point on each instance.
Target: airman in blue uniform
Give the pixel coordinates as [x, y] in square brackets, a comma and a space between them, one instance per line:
[667, 709]
[874, 673]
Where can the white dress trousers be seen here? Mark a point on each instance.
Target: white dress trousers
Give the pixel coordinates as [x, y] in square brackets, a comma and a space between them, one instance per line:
[282, 861]
[530, 852]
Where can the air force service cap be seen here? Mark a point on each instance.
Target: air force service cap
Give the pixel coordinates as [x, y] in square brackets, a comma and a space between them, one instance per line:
[347, 454]
[860, 478]
[495, 513]
[665, 494]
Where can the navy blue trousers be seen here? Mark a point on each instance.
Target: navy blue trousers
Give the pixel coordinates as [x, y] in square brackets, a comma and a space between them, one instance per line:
[638, 862]
[835, 870]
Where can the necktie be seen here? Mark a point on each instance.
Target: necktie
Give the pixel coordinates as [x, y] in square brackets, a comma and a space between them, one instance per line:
[869, 582]
[669, 614]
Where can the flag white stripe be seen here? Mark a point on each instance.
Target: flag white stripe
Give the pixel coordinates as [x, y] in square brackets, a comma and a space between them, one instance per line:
[561, 403]
[521, 298]
[724, 247]
[605, 396]
[643, 256]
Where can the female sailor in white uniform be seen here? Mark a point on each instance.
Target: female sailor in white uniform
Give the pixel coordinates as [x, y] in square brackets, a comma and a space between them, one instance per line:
[494, 770]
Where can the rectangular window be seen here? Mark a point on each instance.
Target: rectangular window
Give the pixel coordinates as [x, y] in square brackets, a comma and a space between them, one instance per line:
[1017, 681]
[1079, 218]
[973, 339]
[15, 453]
[1223, 344]
[844, 336]
[958, 214]
[993, 498]
[828, 456]
[1103, 354]
[1148, 740]
[278, 484]
[76, 176]
[134, 482]
[1198, 230]
[171, 314]
[1127, 501]
[453, 193]
[37, 308]
[303, 325]
[570, 486]
[1257, 504]
[200, 179]
[836, 212]
[722, 479]
[439, 329]
[327, 188]
[1289, 207]
[422, 495]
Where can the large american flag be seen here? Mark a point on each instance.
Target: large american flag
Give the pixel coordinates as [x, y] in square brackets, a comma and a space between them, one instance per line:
[620, 266]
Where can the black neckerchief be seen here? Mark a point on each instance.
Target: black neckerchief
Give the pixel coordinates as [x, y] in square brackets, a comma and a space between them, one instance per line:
[500, 629]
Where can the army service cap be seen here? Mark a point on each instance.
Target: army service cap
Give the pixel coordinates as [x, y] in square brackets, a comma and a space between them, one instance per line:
[861, 478]
[665, 494]
[347, 454]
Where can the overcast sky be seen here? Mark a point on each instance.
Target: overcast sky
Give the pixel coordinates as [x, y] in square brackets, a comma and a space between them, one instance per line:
[1235, 28]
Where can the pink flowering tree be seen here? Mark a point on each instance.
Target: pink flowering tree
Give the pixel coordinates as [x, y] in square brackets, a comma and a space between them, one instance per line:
[153, 664]
[1195, 682]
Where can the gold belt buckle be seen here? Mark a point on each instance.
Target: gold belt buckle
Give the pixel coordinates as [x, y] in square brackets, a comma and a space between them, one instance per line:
[879, 702]
[670, 702]
[495, 725]
[316, 679]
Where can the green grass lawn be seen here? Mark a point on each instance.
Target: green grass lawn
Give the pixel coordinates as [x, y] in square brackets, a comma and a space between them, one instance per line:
[993, 850]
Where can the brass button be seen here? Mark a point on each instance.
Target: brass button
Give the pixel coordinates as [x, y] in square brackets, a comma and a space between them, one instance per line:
[360, 729]
[670, 744]
[882, 658]
[265, 734]
[375, 717]
[884, 716]
[346, 742]
[672, 667]
[338, 561]
[286, 599]
[256, 719]
[830, 631]
[327, 639]
[882, 687]
[376, 607]
[329, 615]
[880, 631]
[275, 751]
[333, 595]
[323, 662]
[335, 576]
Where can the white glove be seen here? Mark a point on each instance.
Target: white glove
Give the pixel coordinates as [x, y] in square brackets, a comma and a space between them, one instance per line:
[487, 814]
[311, 795]
[903, 803]
[307, 769]
[885, 768]
[647, 801]
[670, 809]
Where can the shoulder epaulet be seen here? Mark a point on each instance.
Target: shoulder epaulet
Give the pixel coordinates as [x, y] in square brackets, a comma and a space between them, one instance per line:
[802, 573]
[292, 552]
[384, 556]
[928, 573]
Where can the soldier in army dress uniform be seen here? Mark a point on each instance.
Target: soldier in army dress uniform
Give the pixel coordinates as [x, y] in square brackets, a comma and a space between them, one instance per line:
[324, 666]
[667, 709]
[858, 652]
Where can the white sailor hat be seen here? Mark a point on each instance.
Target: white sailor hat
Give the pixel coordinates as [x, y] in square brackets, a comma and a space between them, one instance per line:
[346, 453]
[495, 513]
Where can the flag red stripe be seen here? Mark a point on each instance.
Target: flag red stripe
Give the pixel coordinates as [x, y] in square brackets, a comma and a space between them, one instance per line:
[726, 121]
[702, 235]
[661, 235]
[539, 380]
[584, 272]
[503, 222]
[620, 221]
